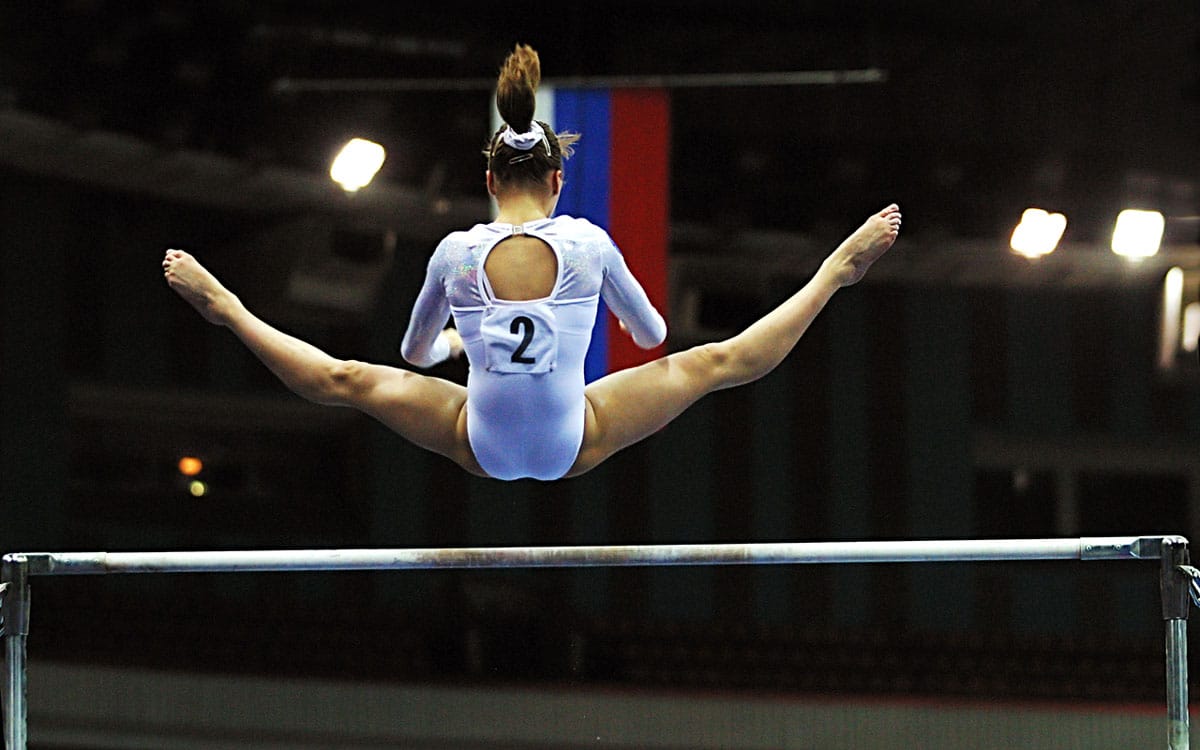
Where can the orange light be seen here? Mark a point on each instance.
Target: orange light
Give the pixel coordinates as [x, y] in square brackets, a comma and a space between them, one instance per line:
[190, 466]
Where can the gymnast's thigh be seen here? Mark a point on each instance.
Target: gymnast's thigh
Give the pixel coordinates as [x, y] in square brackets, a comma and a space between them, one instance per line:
[627, 406]
[427, 411]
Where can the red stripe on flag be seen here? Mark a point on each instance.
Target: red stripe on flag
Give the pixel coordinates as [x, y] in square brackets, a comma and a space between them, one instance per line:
[639, 204]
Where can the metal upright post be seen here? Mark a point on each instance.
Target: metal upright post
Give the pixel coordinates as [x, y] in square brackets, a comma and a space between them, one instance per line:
[1176, 600]
[15, 571]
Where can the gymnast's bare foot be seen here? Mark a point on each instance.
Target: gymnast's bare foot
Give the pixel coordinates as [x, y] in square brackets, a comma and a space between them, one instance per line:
[200, 288]
[867, 244]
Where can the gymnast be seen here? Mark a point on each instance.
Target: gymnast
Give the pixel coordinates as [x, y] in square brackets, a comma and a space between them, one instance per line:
[523, 291]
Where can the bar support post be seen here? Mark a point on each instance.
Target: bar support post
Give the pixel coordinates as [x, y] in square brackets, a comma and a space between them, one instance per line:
[1176, 600]
[15, 577]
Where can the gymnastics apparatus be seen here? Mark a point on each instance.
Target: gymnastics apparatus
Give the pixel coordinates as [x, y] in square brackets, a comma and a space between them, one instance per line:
[1179, 582]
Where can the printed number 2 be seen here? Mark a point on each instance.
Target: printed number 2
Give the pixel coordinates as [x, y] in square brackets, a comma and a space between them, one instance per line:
[526, 325]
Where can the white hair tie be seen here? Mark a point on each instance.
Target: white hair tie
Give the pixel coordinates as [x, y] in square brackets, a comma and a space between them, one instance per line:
[527, 140]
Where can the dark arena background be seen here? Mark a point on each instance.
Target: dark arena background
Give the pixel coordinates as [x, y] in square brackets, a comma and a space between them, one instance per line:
[962, 391]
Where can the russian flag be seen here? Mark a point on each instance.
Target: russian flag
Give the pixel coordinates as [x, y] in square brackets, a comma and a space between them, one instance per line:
[618, 179]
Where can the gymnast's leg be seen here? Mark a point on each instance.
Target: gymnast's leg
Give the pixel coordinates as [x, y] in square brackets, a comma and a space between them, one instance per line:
[429, 412]
[629, 405]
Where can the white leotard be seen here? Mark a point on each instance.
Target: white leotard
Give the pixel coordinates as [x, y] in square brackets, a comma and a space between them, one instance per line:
[525, 404]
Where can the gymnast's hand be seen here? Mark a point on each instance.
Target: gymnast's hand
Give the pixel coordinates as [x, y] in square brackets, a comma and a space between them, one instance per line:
[455, 340]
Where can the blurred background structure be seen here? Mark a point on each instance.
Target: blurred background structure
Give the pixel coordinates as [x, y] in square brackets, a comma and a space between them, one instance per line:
[963, 390]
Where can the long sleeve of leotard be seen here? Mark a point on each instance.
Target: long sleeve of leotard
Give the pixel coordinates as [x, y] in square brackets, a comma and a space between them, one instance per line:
[628, 301]
[422, 344]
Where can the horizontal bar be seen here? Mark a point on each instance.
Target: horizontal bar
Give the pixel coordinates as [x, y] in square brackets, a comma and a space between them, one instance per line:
[768, 553]
[674, 81]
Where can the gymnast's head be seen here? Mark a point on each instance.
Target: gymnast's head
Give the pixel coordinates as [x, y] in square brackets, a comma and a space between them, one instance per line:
[525, 155]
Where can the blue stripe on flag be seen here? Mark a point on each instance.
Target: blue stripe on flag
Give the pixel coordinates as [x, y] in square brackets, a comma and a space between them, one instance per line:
[586, 190]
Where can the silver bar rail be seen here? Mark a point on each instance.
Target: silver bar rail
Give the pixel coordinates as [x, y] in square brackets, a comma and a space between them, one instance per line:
[1171, 551]
[766, 553]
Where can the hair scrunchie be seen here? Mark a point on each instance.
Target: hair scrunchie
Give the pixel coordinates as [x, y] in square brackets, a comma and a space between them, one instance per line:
[527, 140]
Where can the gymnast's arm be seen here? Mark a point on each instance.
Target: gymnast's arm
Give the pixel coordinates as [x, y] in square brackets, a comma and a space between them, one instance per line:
[427, 341]
[628, 301]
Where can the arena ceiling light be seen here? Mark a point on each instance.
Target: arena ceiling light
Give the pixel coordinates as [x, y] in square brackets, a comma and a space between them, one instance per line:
[1138, 233]
[1179, 321]
[1038, 233]
[356, 164]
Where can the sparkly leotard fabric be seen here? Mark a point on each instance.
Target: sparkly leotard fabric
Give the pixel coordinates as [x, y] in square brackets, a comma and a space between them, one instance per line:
[525, 404]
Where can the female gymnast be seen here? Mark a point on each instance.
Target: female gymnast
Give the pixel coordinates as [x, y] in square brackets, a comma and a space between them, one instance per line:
[523, 291]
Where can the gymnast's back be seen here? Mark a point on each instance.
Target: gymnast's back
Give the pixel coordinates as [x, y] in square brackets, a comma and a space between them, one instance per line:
[525, 388]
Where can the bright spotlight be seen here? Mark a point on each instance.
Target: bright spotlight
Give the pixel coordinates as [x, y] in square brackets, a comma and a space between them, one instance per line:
[1171, 318]
[356, 164]
[1179, 321]
[1138, 233]
[1190, 337]
[1038, 233]
[190, 466]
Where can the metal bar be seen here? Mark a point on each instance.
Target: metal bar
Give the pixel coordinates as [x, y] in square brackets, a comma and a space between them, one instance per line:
[15, 714]
[16, 629]
[1177, 687]
[772, 553]
[680, 81]
[1174, 587]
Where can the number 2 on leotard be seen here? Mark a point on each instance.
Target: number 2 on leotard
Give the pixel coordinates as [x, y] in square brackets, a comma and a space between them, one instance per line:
[526, 326]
